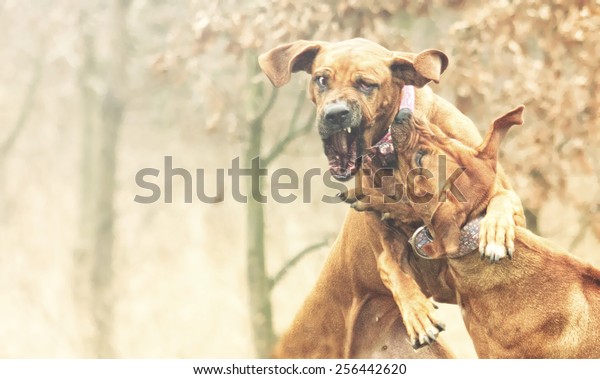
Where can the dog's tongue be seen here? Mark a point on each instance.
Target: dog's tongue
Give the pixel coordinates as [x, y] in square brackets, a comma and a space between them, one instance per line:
[340, 142]
[341, 156]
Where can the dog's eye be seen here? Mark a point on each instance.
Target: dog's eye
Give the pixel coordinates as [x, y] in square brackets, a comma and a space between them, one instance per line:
[322, 81]
[366, 87]
[419, 157]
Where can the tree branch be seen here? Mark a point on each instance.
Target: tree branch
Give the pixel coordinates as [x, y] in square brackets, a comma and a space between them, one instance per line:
[294, 260]
[268, 106]
[297, 108]
[289, 138]
[292, 135]
[25, 109]
[278, 148]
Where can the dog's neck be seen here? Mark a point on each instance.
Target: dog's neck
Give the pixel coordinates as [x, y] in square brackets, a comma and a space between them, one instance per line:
[533, 256]
[482, 286]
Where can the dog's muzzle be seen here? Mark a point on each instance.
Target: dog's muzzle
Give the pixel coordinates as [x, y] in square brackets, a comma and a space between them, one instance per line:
[339, 129]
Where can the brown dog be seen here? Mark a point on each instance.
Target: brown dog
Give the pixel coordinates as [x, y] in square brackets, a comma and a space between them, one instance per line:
[357, 86]
[544, 303]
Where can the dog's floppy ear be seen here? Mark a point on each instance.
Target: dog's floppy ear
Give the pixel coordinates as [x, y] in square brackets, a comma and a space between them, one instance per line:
[420, 69]
[495, 134]
[279, 63]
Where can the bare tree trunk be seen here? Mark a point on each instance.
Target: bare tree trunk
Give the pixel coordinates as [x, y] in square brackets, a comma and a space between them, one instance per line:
[88, 105]
[111, 115]
[94, 259]
[258, 280]
[259, 283]
[83, 250]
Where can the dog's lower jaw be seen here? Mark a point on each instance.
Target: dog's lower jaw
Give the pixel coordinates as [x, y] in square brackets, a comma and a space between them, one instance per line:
[341, 149]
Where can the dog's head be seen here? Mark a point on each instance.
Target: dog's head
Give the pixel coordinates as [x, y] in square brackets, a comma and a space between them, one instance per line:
[470, 175]
[356, 86]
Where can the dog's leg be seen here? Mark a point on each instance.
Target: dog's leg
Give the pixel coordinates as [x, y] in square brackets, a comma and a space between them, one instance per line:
[418, 312]
[497, 230]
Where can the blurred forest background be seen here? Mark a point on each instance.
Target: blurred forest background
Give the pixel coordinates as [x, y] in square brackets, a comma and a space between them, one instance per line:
[93, 91]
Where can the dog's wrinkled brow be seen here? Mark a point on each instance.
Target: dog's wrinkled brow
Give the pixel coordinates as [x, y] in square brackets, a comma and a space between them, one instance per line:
[407, 135]
[404, 137]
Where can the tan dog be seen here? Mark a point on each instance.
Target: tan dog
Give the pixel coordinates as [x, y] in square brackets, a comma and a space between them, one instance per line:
[544, 303]
[357, 86]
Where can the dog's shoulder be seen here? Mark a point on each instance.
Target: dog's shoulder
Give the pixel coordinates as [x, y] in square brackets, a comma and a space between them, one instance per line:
[552, 251]
[439, 111]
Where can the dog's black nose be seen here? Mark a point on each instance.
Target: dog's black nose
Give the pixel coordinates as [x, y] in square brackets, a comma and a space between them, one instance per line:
[337, 113]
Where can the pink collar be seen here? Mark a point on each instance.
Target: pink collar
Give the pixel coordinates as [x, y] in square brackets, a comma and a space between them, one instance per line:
[385, 148]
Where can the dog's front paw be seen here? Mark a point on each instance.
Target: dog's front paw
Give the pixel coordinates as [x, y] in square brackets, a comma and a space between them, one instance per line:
[496, 237]
[350, 196]
[358, 200]
[420, 321]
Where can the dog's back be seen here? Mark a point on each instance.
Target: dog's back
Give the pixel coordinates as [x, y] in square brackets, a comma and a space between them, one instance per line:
[545, 303]
[579, 301]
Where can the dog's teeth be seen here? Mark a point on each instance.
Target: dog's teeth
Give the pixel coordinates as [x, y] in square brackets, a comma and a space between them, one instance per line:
[348, 130]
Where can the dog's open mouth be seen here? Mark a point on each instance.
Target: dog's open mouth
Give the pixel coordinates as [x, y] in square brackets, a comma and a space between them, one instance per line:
[341, 150]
